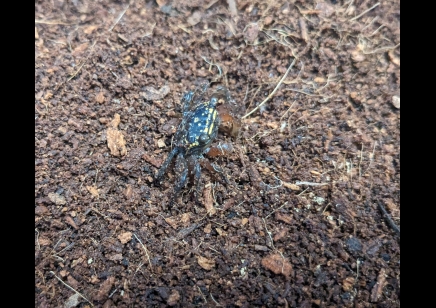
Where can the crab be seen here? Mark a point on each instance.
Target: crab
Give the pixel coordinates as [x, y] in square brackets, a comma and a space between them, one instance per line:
[194, 135]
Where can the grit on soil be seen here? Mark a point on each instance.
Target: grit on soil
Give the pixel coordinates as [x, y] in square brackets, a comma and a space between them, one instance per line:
[303, 210]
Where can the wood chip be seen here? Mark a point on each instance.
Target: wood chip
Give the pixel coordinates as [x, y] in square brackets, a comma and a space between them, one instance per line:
[208, 199]
[277, 264]
[378, 287]
[283, 217]
[105, 287]
[291, 186]
[71, 222]
[151, 160]
[115, 139]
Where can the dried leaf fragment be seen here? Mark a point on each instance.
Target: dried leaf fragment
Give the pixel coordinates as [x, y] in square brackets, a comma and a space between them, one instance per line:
[205, 263]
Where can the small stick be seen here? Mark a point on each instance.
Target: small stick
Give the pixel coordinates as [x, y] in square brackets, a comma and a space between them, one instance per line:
[360, 15]
[71, 288]
[80, 67]
[388, 218]
[119, 18]
[310, 183]
[274, 91]
[276, 209]
[145, 249]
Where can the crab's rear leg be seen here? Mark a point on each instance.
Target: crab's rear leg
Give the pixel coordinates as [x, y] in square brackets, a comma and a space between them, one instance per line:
[194, 162]
[182, 169]
[165, 165]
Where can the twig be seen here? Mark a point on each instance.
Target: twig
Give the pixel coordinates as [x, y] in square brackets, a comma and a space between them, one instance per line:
[274, 91]
[360, 162]
[310, 183]
[145, 249]
[218, 304]
[361, 14]
[382, 49]
[37, 238]
[309, 94]
[388, 218]
[213, 64]
[204, 297]
[119, 18]
[71, 288]
[269, 234]
[53, 22]
[84, 61]
[276, 209]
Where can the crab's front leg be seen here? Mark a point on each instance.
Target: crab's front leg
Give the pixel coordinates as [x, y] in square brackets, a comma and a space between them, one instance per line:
[165, 165]
[186, 101]
[182, 169]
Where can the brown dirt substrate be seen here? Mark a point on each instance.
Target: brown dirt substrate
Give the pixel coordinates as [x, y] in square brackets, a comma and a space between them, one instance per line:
[298, 222]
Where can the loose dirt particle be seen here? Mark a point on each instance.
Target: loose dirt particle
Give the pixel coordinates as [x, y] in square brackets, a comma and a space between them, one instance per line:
[125, 237]
[348, 284]
[41, 210]
[57, 199]
[174, 298]
[283, 217]
[99, 98]
[151, 160]
[93, 191]
[280, 234]
[72, 301]
[152, 94]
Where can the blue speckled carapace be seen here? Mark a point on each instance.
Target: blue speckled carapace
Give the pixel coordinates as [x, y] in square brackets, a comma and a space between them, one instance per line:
[199, 127]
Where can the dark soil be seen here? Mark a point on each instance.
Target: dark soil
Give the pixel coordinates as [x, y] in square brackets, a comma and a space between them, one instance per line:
[299, 221]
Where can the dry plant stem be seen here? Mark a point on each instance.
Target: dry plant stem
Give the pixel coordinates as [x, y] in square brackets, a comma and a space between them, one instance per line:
[84, 61]
[119, 18]
[145, 249]
[360, 15]
[274, 91]
[71, 288]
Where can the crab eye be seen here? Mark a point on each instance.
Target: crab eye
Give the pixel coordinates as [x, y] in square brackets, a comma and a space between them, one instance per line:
[203, 138]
